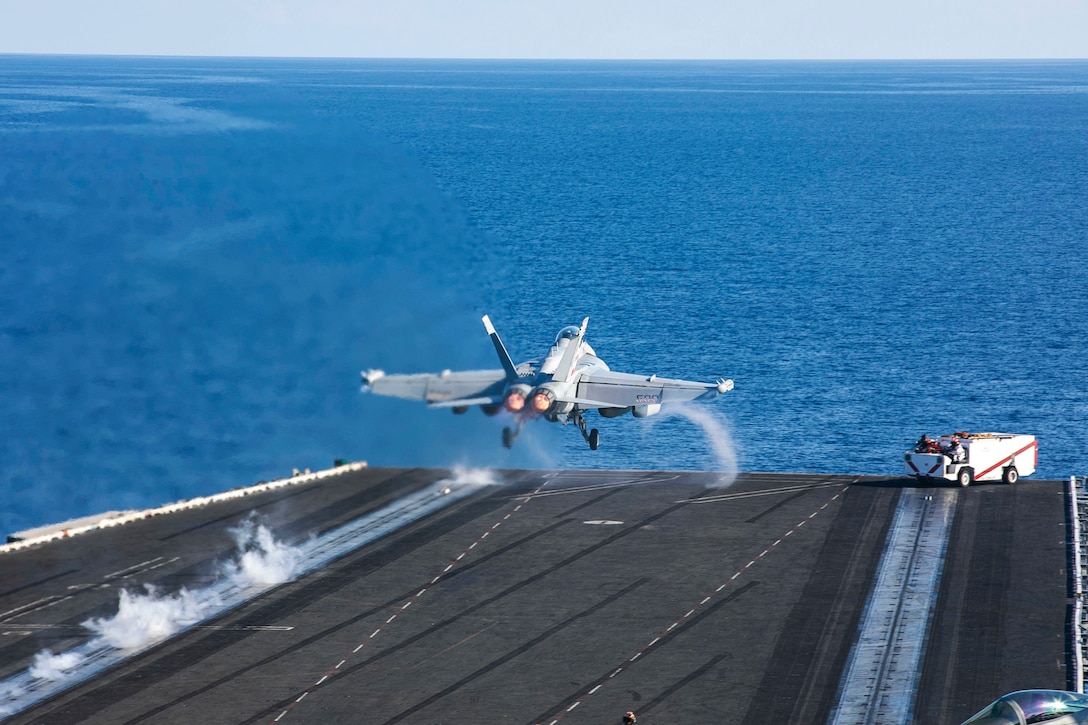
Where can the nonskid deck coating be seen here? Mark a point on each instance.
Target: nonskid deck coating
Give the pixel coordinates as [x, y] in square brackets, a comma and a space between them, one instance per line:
[567, 596]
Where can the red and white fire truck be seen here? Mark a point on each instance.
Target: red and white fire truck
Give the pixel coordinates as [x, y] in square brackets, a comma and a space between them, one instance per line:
[968, 457]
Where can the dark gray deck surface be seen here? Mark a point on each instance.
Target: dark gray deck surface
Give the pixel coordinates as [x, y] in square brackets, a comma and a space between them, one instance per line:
[557, 605]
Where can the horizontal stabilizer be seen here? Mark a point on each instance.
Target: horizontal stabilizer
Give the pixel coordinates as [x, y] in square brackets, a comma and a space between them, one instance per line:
[442, 388]
[464, 402]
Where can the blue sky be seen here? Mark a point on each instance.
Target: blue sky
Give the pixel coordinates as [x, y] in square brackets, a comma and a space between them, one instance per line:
[727, 29]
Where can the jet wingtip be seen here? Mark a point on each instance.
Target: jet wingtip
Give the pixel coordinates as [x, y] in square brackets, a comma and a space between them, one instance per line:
[369, 376]
[724, 386]
[487, 325]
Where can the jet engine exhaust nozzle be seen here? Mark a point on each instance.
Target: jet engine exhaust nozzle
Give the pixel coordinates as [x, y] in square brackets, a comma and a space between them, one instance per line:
[542, 400]
[514, 402]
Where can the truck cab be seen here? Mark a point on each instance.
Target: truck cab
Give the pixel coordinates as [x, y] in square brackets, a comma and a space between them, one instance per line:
[968, 457]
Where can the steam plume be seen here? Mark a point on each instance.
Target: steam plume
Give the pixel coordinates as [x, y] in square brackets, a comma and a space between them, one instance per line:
[147, 617]
[717, 435]
[49, 666]
[462, 476]
[144, 618]
[262, 559]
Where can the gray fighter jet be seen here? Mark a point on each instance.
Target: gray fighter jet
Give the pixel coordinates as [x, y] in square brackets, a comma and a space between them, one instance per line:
[1055, 707]
[568, 381]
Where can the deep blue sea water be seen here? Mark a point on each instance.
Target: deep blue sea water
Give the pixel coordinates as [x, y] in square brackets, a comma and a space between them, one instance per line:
[199, 255]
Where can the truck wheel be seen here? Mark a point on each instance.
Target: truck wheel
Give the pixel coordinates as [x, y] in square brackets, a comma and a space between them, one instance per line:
[1011, 475]
[965, 476]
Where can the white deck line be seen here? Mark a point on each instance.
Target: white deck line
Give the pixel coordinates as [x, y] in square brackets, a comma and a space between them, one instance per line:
[881, 679]
[21, 691]
[193, 503]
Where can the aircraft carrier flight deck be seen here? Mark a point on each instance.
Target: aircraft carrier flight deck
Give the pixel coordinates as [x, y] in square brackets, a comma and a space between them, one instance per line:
[573, 597]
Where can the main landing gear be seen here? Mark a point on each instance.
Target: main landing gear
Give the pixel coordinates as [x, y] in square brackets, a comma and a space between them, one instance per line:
[509, 435]
[593, 438]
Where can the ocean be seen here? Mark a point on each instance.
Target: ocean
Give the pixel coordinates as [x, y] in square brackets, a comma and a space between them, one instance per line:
[200, 255]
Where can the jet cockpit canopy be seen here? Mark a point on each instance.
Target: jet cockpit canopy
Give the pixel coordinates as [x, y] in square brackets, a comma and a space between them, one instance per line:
[567, 333]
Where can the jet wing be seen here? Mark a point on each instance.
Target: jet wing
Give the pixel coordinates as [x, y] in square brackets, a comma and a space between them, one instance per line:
[446, 389]
[607, 389]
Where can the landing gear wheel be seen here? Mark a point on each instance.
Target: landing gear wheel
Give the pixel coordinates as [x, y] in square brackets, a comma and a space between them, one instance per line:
[965, 476]
[592, 437]
[507, 438]
[1011, 475]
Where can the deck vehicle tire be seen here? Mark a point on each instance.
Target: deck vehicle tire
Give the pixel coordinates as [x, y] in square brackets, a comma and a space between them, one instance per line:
[1011, 475]
[965, 476]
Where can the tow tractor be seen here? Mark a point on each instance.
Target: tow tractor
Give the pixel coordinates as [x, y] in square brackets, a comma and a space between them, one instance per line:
[968, 457]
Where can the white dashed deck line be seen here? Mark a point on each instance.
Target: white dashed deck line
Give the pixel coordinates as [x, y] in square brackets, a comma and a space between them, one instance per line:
[409, 603]
[688, 615]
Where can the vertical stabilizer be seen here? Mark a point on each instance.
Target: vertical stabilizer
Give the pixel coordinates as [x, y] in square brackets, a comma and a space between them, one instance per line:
[500, 350]
[566, 363]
